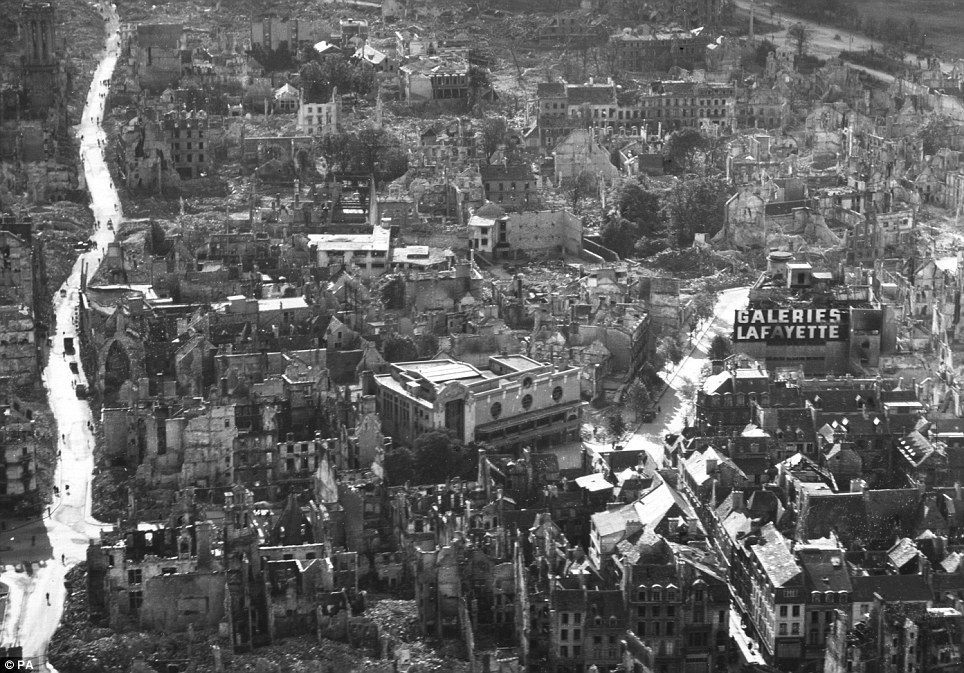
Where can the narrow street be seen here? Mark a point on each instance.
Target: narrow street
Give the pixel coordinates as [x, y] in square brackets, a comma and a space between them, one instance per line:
[57, 542]
[677, 409]
[674, 410]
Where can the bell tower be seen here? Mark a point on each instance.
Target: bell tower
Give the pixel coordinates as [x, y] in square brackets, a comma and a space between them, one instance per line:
[40, 62]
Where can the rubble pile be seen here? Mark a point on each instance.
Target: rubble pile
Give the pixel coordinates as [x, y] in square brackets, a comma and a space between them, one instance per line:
[65, 225]
[396, 617]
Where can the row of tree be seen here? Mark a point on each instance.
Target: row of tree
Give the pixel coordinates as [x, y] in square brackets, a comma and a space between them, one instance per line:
[844, 13]
[366, 152]
[321, 78]
[435, 457]
[648, 218]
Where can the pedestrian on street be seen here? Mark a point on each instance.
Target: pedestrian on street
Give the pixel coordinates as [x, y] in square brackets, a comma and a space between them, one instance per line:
[67, 488]
[63, 559]
[659, 409]
[48, 599]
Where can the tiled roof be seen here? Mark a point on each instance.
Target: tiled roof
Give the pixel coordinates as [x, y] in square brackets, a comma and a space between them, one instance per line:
[904, 588]
[773, 553]
[612, 522]
[551, 90]
[593, 95]
[825, 569]
[510, 172]
[655, 506]
[902, 553]
[606, 604]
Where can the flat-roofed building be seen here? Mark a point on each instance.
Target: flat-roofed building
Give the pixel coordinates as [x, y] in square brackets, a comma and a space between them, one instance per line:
[514, 403]
[369, 252]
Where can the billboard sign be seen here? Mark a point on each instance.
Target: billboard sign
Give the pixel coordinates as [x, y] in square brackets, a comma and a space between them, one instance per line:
[791, 325]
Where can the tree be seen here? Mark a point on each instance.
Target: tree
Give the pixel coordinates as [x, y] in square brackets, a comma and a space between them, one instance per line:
[315, 87]
[891, 30]
[619, 235]
[720, 348]
[616, 425]
[399, 464]
[670, 349]
[682, 150]
[695, 205]
[495, 133]
[398, 348]
[393, 293]
[647, 247]
[762, 53]
[439, 456]
[912, 31]
[642, 207]
[479, 83]
[687, 389]
[320, 79]
[799, 36]
[934, 135]
[704, 303]
[372, 152]
[638, 397]
[337, 148]
[427, 345]
[580, 187]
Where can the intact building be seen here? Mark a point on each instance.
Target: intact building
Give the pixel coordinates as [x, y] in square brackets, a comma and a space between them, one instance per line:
[802, 318]
[272, 33]
[320, 119]
[369, 252]
[658, 52]
[516, 402]
[512, 186]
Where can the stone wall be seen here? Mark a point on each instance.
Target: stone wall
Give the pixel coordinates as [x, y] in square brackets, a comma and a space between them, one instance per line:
[172, 602]
[547, 232]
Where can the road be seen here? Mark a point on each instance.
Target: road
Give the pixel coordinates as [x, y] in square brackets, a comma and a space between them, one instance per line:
[55, 543]
[824, 41]
[673, 409]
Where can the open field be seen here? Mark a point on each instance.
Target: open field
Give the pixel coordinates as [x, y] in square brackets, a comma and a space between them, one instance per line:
[940, 22]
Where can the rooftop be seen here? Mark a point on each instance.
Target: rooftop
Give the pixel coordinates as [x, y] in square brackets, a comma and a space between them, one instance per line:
[508, 172]
[379, 239]
[775, 556]
[517, 363]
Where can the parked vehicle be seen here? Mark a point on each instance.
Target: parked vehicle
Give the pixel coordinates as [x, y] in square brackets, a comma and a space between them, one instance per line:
[81, 391]
[69, 345]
